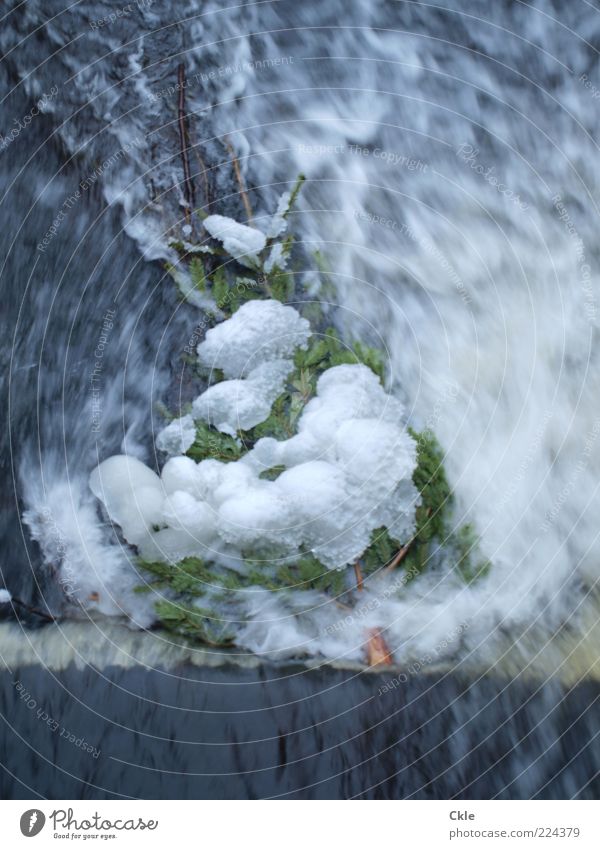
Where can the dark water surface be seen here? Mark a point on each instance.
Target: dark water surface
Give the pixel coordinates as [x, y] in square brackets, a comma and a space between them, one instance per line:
[239, 734]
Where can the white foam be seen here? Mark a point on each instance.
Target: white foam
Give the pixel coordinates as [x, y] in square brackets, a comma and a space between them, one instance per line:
[92, 569]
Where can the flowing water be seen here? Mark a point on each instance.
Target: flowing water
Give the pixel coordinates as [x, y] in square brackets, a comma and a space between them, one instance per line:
[451, 160]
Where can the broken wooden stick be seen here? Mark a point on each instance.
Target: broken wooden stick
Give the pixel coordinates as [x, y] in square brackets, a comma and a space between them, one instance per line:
[378, 652]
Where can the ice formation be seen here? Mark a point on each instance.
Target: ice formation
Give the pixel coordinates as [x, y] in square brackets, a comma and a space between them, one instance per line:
[238, 240]
[234, 405]
[259, 332]
[278, 222]
[5, 596]
[347, 470]
[177, 437]
[277, 258]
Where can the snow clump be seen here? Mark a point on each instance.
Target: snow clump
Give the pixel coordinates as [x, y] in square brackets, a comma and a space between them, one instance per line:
[177, 437]
[347, 471]
[259, 332]
[238, 240]
[234, 405]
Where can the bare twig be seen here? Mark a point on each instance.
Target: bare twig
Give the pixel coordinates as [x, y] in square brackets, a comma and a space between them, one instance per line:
[188, 186]
[399, 557]
[204, 173]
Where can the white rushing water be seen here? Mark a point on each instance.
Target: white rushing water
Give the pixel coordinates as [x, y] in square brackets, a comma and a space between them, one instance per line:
[451, 167]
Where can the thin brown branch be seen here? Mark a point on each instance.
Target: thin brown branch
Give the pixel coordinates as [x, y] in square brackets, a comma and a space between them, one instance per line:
[359, 577]
[188, 185]
[399, 557]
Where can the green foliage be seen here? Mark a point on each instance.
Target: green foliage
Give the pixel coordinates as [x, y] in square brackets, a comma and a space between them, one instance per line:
[294, 194]
[211, 443]
[310, 574]
[190, 576]
[272, 474]
[194, 623]
[189, 249]
[197, 274]
[193, 578]
[464, 544]
[432, 515]
[371, 357]
[327, 350]
[281, 285]
[381, 551]
[163, 411]
[434, 525]
[430, 479]
[219, 287]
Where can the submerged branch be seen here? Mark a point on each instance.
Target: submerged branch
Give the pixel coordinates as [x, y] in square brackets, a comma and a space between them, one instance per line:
[35, 610]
